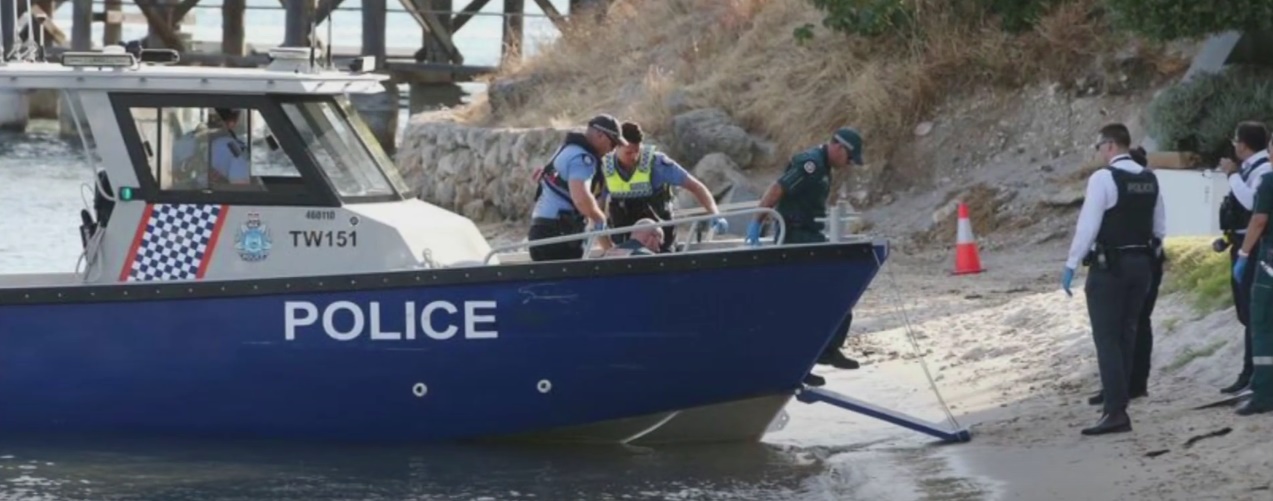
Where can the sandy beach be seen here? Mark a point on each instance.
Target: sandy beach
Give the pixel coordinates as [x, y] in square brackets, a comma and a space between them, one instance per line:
[1013, 358]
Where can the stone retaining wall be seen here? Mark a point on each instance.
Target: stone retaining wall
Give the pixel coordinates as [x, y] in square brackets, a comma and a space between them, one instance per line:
[485, 173]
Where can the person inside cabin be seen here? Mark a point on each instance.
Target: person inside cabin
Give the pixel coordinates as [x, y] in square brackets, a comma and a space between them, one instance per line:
[638, 184]
[642, 241]
[228, 156]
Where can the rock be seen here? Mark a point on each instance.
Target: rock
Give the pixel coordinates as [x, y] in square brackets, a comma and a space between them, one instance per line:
[677, 102]
[702, 132]
[727, 184]
[506, 95]
[475, 210]
[946, 211]
[1069, 197]
[923, 129]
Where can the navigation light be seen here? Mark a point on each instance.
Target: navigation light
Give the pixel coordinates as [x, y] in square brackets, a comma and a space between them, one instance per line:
[126, 193]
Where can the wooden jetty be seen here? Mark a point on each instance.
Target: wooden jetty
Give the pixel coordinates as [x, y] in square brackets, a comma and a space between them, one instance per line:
[431, 72]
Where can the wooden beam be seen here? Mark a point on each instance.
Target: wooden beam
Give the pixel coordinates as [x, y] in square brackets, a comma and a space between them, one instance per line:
[184, 8]
[469, 12]
[232, 34]
[553, 14]
[436, 28]
[113, 29]
[8, 31]
[51, 32]
[82, 25]
[300, 15]
[513, 29]
[374, 18]
[159, 26]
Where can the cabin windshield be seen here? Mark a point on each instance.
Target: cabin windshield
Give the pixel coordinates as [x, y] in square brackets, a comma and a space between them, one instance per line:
[345, 151]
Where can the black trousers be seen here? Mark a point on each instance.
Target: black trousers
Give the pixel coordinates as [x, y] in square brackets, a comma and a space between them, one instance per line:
[1242, 301]
[842, 333]
[1115, 298]
[1144, 348]
[541, 228]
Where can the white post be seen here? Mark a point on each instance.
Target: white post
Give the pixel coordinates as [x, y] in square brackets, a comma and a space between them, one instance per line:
[14, 108]
[833, 222]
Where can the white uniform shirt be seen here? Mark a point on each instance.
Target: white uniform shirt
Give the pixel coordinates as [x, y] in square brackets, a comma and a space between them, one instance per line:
[1244, 191]
[1102, 195]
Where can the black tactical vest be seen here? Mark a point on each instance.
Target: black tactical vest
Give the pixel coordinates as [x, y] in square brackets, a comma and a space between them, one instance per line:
[559, 186]
[1130, 222]
[1233, 216]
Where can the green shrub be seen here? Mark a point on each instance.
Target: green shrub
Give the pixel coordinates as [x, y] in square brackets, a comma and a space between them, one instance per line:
[1174, 19]
[882, 17]
[1201, 273]
[867, 17]
[1200, 115]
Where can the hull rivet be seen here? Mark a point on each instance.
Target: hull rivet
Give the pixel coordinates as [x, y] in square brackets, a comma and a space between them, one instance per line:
[544, 386]
[419, 389]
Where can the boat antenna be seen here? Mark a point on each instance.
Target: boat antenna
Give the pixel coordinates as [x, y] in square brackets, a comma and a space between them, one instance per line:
[313, 39]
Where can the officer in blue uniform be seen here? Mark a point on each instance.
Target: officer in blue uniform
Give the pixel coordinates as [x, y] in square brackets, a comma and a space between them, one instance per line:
[1122, 215]
[801, 198]
[566, 200]
[638, 184]
[229, 156]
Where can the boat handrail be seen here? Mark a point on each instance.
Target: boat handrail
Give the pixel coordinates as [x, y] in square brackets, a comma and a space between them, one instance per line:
[589, 236]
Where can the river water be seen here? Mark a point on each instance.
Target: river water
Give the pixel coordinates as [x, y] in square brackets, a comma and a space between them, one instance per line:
[42, 188]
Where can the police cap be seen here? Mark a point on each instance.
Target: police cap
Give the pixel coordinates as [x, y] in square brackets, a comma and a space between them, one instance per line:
[849, 136]
[608, 126]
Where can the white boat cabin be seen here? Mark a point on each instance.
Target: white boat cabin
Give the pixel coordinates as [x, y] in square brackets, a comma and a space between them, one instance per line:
[224, 174]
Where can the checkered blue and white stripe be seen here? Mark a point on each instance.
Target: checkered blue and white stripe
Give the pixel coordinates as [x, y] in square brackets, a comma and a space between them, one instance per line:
[175, 242]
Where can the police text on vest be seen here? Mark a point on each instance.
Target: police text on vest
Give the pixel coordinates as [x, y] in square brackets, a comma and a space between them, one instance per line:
[347, 320]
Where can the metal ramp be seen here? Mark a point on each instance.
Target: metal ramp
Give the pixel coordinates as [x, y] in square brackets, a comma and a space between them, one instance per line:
[952, 433]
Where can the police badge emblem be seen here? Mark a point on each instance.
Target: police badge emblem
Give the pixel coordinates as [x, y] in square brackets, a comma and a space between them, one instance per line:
[809, 166]
[253, 239]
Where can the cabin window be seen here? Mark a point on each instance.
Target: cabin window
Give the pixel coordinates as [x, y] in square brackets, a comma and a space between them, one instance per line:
[210, 149]
[338, 150]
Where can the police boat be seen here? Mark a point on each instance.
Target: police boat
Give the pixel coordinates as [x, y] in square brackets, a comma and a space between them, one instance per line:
[254, 265]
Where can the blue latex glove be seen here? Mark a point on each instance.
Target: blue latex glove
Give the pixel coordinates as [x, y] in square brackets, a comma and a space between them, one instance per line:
[1238, 268]
[720, 225]
[1066, 278]
[753, 233]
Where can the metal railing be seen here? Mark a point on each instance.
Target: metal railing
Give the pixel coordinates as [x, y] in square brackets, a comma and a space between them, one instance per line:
[590, 236]
[840, 215]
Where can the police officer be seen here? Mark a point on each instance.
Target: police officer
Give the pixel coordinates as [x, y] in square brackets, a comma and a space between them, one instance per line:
[1249, 145]
[228, 155]
[1259, 238]
[1142, 353]
[566, 199]
[801, 197]
[1122, 214]
[638, 184]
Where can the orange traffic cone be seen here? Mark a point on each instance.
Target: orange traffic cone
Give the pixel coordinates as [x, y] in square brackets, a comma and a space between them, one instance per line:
[967, 259]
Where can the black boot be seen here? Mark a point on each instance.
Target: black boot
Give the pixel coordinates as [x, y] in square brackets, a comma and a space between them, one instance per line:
[1117, 422]
[1243, 381]
[835, 358]
[1251, 407]
[814, 380]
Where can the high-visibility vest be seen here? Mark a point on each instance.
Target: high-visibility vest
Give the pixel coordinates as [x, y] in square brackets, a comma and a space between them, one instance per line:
[639, 185]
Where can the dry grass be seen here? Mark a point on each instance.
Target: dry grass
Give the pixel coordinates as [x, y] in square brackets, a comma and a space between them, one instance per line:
[741, 56]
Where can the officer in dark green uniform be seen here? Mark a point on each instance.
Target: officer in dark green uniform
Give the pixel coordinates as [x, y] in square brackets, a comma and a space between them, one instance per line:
[801, 198]
[1259, 235]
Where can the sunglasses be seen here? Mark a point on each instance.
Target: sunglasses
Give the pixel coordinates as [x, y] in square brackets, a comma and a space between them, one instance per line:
[1100, 143]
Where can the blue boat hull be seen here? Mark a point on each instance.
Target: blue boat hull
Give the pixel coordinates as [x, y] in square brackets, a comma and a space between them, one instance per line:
[493, 353]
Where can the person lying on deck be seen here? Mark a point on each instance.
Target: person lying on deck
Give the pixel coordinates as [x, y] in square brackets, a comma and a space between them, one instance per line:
[644, 241]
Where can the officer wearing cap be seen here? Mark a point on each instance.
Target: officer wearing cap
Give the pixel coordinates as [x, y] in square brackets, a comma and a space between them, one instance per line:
[1121, 219]
[638, 184]
[1249, 142]
[801, 198]
[566, 199]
